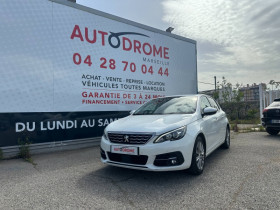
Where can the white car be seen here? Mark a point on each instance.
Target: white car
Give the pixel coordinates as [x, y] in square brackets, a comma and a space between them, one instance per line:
[165, 134]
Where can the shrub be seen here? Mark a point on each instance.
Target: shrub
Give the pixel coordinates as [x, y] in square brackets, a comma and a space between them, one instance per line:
[24, 148]
[251, 114]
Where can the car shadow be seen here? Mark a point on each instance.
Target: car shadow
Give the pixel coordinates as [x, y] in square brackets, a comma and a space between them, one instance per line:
[271, 137]
[122, 184]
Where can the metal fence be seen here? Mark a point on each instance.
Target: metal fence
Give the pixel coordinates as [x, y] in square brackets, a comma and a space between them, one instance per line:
[267, 97]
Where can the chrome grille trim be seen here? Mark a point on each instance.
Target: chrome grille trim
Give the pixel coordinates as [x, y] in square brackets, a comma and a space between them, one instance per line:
[133, 138]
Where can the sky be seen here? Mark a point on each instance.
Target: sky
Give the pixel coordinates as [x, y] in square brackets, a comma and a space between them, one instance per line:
[238, 40]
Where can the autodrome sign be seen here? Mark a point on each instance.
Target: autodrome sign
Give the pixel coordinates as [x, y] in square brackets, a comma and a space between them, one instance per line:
[68, 71]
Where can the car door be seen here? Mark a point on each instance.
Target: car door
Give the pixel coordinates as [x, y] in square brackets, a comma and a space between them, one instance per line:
[220, 121]
[208, 125]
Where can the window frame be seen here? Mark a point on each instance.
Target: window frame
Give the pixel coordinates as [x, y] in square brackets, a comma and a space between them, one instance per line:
[218, 106]
[201, 109]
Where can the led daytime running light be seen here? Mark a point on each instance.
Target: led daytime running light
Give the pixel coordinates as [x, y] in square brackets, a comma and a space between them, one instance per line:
[172, 135]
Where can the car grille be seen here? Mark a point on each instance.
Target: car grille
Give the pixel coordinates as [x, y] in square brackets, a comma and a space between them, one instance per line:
[130, 159]
[129, 138]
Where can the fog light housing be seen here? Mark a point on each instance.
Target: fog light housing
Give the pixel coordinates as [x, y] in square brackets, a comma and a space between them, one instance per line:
[169, 159]
[103, 154]
[174, 161]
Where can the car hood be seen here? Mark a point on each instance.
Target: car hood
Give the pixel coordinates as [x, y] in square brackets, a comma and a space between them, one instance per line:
[150, 123]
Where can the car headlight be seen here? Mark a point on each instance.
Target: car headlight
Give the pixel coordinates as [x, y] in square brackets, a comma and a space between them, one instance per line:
[172, 135]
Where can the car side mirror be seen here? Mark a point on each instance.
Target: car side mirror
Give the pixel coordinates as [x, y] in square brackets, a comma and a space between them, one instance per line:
[209, 111]
[132, 111]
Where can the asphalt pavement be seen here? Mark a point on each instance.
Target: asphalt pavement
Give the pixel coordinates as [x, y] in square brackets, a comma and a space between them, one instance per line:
[247, 176]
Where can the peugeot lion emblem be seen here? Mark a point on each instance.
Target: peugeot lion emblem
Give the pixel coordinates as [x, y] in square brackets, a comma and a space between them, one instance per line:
[126, 138]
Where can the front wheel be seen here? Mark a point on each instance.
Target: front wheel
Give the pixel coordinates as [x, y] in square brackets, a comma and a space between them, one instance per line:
[198, 157]
[226, 143]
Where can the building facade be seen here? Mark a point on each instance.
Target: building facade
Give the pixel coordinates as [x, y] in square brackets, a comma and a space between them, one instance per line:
[251, 93]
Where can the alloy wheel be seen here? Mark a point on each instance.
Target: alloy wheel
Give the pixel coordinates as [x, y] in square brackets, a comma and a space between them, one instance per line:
[200, 155]
[228, 137]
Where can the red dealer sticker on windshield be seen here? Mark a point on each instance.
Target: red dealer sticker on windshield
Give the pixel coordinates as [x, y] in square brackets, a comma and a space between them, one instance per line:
[124, 150]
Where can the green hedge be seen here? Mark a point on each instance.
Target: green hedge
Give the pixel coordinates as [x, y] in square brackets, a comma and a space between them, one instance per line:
[241, 110]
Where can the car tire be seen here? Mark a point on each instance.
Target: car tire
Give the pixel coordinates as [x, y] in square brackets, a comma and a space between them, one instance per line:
[198, 157]
[226, 143]
[272, 131]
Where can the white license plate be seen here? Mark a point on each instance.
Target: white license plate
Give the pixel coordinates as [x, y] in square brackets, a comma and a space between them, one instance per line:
[275, 121]
[128, 150]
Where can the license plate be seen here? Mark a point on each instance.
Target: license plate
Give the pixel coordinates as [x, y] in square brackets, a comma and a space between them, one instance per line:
[275, 121]
[128, 150]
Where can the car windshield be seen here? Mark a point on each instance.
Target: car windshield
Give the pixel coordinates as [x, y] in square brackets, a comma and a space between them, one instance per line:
[169, 105]
[275, 104]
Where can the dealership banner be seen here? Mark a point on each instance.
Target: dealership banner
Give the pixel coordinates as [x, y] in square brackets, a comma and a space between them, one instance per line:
[68, 71]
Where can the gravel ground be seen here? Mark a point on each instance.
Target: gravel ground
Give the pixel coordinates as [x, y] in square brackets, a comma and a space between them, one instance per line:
[245, 177]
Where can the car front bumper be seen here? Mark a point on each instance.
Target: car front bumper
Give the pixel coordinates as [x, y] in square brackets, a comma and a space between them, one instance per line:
[165, 156]
[268, 122]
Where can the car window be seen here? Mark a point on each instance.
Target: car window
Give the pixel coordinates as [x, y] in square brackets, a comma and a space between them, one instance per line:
[169, 105]
[204, 103]
[275, 104]
[213, 103]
